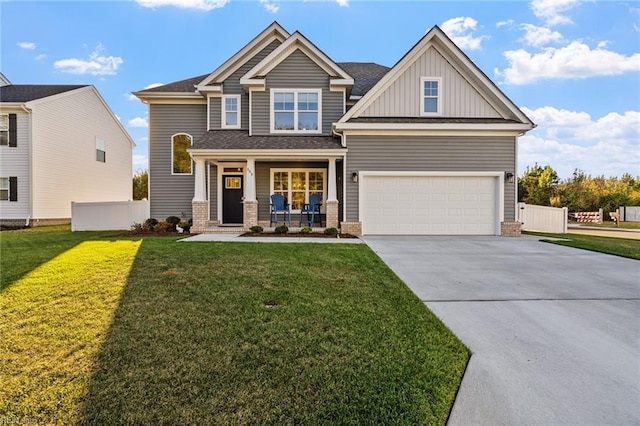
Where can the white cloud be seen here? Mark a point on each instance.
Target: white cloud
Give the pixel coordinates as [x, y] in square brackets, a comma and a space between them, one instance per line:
[26, 45]
[40, 57]
[506, 23]
[539, 36]
[131, 97]
[269, 6]
[343, 3]
[552, 11]
[568, 140]
[140, 162]
[577, 60]
[138, 122]
[460, 30]
[184, 4]
[96, 64]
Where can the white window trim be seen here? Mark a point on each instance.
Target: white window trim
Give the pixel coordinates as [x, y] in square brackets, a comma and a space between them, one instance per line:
[439, 98]
[295, 111]
[224, 112]
[171, 165]
[101, 146]
[306, 195]
[7, 188]
[5, 129]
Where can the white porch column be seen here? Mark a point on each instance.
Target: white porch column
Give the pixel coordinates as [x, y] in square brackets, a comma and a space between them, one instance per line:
[332, 193]
[200, 191]
[250, 184]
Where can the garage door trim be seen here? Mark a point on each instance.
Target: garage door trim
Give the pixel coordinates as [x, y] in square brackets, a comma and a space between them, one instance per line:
[498, 175]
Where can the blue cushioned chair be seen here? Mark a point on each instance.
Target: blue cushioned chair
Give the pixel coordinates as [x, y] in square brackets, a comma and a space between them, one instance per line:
[311, 209]
[279, 205]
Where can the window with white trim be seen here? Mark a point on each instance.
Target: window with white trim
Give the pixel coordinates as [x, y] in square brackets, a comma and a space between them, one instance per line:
[296, 185]
[231, 112]
[4, 129]
[101, 151]
[296, 111]
[430, 96]
[180, 158]
[4, 189]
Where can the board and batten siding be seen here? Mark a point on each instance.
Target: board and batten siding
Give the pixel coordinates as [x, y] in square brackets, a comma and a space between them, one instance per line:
[297, 71]
[454, 154]
[232, 86]
[14, 161]
[403, 98]
[64, 131]
[171, 195]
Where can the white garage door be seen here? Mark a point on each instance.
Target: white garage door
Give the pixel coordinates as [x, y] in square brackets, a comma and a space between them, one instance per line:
[429, 205]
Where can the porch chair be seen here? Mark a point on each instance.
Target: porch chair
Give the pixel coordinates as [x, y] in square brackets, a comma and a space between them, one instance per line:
[279, 205]
[311, 209]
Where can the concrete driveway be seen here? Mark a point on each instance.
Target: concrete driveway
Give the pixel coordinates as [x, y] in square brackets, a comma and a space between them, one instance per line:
[554, 331]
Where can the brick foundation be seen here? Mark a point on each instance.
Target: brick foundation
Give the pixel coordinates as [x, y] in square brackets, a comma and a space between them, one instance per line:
[332, 214]
[250, 213]
[353, 228]
[510, 229]
[200, 215]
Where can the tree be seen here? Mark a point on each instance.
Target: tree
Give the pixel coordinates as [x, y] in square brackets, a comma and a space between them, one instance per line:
[537, 185]
[141, 185]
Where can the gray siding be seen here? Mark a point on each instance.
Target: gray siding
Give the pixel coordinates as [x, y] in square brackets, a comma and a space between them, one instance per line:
[171, 194]
[403, 153]
[232, 86]
[297, 71]
[213, 192]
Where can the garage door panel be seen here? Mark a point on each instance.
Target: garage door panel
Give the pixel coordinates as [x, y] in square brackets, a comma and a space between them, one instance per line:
[429, 205]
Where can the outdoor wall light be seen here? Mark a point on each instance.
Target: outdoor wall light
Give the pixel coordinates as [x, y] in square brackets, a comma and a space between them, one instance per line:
[509, 177]
[354, 177]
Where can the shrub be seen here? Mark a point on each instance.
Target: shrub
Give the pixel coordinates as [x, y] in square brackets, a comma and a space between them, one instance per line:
[150, 223]
[282, 229]
[331, 232]
[256, 229]
[306, 230]
[164, 227]
[172, 221]
[186, 226]
[138, 228]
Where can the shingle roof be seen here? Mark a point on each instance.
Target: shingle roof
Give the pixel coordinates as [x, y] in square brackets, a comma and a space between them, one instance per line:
[365, 74]
[187, 85]
[430, 120]
[31, 92]
[240, 139]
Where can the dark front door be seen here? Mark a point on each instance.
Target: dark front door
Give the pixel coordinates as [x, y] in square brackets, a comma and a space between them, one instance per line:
[232, 199]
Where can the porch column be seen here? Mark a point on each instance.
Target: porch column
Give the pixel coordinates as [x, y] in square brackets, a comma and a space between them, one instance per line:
[200, 205]
[250, 210]
[332, 196]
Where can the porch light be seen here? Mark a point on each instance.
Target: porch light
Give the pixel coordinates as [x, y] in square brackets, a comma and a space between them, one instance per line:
[354, 177]
[509, 177]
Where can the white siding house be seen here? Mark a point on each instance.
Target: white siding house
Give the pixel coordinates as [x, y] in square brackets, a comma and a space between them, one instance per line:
[67, 146]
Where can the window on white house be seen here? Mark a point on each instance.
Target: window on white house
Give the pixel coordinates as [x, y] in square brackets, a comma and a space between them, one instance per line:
[4, 129]
[4, 189]
[431, 95]
[231, 112]
[296, 185]
[180, 158]
[101, 151]
[296, 111]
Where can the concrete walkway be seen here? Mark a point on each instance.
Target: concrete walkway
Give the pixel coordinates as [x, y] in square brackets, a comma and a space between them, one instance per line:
[633, 234]
[554, 331]
[236, 238]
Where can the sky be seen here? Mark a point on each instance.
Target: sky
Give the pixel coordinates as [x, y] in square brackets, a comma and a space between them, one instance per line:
[572, 66]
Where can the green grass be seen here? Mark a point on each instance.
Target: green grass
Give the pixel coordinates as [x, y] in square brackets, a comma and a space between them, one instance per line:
[131, 331]
[616, 246]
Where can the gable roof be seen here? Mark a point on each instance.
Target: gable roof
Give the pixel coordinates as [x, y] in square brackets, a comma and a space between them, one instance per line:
[31, 92]
[256, 75]
[365, 75]
[460, 61]
[187, 85]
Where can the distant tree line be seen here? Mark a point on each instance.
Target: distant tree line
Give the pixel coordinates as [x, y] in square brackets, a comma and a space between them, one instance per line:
[141, 185]
[581, 192]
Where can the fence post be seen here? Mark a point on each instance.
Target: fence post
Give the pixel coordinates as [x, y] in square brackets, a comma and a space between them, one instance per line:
[600, 216]
[565, 224]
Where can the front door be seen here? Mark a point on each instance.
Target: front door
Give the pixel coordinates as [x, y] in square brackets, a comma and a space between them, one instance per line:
[232, 211]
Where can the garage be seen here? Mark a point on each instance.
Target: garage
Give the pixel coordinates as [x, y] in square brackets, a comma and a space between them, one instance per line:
[423, 203]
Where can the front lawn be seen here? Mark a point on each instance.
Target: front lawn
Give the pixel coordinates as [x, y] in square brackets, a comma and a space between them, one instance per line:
[616, 246]
[112, 330]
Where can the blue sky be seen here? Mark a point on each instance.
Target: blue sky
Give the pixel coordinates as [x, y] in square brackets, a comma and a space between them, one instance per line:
[572, 66]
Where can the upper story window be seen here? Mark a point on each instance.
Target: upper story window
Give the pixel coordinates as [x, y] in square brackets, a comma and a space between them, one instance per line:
[231, 112]
[4, 129]
[180, 158]
[296, 111]
[431, 88]
[101, 151]
[4, 189]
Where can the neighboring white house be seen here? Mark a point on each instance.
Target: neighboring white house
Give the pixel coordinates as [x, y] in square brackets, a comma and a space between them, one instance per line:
[58, 144]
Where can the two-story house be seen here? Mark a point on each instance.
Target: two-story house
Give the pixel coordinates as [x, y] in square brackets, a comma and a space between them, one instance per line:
[425, 147]
[58, 144]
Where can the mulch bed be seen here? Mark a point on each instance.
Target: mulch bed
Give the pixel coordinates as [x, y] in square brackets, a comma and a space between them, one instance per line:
[294, 235]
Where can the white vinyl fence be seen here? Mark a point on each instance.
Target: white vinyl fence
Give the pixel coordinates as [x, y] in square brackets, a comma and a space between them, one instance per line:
[543, 219]
[107, 216]
[629, 213]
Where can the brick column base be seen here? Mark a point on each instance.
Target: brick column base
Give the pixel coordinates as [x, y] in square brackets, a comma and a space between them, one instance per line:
[510, 229]
[250, 213]
[332, 214]
[200, 215]
[353, 228]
